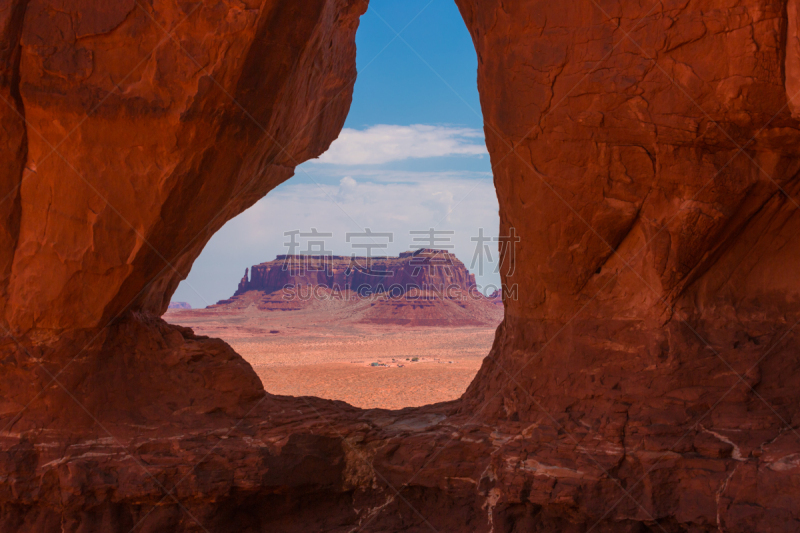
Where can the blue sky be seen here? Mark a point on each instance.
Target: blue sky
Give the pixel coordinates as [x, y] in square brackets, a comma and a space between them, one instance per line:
[411, 156]
[395, 86]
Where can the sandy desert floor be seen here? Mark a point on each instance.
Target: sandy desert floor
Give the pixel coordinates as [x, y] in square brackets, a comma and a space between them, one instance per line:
[303, 353]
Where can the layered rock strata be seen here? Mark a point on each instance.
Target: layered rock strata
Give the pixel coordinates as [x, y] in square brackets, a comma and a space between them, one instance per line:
[423, 288]
[423, 270]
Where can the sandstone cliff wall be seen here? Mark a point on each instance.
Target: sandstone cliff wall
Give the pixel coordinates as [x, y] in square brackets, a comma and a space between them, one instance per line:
[146, 127]
[424, 269]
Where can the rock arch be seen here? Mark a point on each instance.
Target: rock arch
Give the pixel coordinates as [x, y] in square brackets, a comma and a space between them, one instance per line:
[645, 379]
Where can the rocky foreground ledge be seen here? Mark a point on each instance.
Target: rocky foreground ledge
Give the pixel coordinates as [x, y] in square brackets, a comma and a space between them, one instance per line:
[205, 449]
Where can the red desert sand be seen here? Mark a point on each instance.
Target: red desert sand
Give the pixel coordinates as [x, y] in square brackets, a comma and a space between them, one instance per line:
[312, 356]
[371, 352]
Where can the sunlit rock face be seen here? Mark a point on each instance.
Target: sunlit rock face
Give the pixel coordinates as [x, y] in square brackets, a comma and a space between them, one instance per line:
[420, 270]
[647, 156]
[645, 377]
[147, 127]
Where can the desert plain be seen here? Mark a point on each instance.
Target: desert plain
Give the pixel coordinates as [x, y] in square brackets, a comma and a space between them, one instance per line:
[317, 351]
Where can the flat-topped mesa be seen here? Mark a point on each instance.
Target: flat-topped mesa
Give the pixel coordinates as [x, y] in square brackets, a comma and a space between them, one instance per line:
[438, 271]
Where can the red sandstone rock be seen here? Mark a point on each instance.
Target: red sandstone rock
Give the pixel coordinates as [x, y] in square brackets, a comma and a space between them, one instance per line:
[496, 297]
[184, 131]
[314, 304]
[656, 266]
[646, 379]
[425, 269]
[422, 288]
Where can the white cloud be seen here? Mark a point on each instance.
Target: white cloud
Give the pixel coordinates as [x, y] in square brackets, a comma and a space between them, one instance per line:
[347, 187]
[347, 182]
[384, 143]
[410, 201]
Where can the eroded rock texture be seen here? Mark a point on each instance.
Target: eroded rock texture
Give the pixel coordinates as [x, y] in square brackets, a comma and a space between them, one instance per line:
[426, 287]
[421, 270]
[647, 155]
[149, 125]
[646, 378]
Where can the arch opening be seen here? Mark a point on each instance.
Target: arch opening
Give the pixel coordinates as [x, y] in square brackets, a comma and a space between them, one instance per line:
[372, 276]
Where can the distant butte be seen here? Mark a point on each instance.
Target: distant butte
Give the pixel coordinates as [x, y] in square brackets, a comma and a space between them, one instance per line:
[422, 288]
[426, 268]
